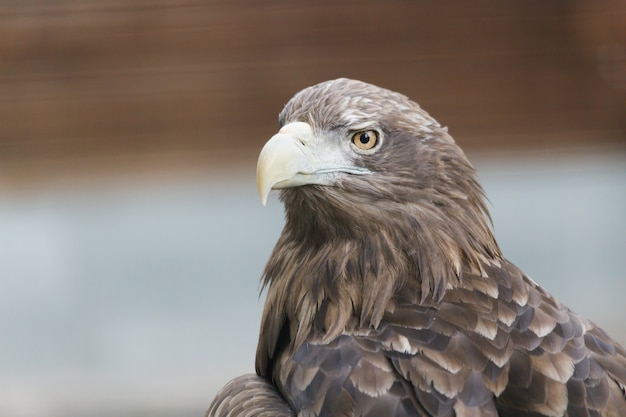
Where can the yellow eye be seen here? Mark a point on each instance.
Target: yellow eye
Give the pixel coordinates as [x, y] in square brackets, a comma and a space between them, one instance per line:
[365, 140]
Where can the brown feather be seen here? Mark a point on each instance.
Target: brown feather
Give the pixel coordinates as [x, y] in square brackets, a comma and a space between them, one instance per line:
[249, 395]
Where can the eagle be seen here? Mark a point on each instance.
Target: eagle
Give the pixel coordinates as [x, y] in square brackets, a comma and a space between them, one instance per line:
[387, 294]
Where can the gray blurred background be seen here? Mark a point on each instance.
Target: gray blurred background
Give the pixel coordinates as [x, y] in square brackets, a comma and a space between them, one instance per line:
[131, 235]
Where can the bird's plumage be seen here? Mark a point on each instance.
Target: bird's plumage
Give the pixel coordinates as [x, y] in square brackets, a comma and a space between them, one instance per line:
[387, 294]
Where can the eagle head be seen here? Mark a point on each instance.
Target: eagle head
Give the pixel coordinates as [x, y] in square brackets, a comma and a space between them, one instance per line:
[353, 161]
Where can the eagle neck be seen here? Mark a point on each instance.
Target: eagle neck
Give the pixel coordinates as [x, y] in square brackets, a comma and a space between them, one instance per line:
[319, 286]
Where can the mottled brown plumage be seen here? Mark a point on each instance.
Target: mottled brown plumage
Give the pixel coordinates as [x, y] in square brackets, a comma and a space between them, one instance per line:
[387, 294]
[249, 395]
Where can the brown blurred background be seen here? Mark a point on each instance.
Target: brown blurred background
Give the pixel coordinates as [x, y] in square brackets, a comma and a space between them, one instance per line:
[131, 236]
[105, 85]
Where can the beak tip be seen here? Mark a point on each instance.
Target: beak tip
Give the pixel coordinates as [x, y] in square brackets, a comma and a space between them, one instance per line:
[264, 193]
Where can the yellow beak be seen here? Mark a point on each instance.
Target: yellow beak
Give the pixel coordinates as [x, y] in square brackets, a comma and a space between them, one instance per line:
[284, 158]
[295, 156]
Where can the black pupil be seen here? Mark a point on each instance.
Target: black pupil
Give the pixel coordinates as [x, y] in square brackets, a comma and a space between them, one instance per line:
[364, 138]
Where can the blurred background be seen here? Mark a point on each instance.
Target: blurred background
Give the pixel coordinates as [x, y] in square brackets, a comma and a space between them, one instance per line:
[131, 235]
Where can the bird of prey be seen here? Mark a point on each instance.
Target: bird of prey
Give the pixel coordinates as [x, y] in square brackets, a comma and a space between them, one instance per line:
[387, 294]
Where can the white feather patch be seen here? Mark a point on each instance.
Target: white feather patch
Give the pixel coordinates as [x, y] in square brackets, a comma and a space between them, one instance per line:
[542, 324]
[558, 367]
[486, 328]
[400, 343]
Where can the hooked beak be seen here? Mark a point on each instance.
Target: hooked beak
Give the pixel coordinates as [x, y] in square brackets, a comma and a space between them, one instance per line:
[295, 157]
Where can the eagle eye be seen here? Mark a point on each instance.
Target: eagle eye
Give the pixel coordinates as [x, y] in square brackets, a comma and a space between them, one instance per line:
[365, 139]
